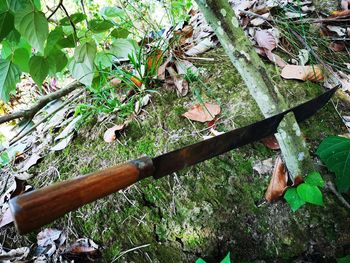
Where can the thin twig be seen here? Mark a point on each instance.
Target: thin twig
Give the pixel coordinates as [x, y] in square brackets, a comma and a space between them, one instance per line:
[55, 10]
[71, 22]
[129, 250]
[42, 102]
[330, 186]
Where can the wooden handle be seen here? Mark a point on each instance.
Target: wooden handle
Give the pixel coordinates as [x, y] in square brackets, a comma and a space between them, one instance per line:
[35, 209]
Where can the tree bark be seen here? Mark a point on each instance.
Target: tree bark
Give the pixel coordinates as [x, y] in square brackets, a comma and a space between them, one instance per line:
[220, 15]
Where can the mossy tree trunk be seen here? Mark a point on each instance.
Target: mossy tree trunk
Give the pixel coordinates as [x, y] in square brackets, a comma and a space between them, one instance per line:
[220, 15]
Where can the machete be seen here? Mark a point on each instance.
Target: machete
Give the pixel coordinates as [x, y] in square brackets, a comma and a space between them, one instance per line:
[34, 209]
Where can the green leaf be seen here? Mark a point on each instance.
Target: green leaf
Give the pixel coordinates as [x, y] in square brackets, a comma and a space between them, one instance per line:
[6, 49]
[123, 47]
[293, 199]
[7, 24]
[315, 179]
[57, 60]
[227, 259]
[75, 18]
[67, 42]
[13, 37]
[17, 5]
[82, 65]
[37, 4]
[310, 194]
[33, 26]
[4, 159]
[38, 69]
[111, 12]
[9, 77]
[98, 25]
[345, 259]
[200, 260]
[53, 39]
[104, 60]
[334, 152]
[120, 33]
[21, 59]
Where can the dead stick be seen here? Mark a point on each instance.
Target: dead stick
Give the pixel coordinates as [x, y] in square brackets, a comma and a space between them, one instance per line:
[42, 102]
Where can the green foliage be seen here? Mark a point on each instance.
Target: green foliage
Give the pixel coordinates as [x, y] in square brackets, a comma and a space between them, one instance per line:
[345, 259]
[307, 192]
[39, 69]
[334, 152]
[227, 259]
[10, 75]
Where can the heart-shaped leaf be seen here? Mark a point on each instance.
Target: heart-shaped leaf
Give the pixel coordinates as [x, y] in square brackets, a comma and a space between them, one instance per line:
[293, 199]
[310, 193]
[39, 69]
[334, 152]
[9, 77]
[315, 179]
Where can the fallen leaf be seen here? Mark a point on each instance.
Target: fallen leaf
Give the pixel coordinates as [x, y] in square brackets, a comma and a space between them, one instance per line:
[111, 134]
[162, 68]
[6, 218]
[264, 167]
[201, 47]
[115, 82]
[63, 143]
[15, 255]
[48, 236]
[69, 129]
[184, 66]
[271, 142]
[340, 14]
[278, 182]
[33, 160]
[203, 113]
[337, 46]
[83, 250]
[142, 103]
[345, 4]
[136, 81]
[312, 73]
[340, 31]
[179, 82]
[275, 59]
[154, 60]
[265, 39]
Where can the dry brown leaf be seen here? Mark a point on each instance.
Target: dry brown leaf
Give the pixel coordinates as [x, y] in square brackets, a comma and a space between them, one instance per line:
[203, 113]
[83, 250]
[6, 218]
[111, 134]
[312, 73]
[162, 69]
[271, 142]
[179, 82]
[278, 182]
[115, 82]
[340, 14]
[265, 39]
[337, 46]
[275, 59]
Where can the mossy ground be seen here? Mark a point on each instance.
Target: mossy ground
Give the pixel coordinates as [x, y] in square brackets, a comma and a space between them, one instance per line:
[211, 208]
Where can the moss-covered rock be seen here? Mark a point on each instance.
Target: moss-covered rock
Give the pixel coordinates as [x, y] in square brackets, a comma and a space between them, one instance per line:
[211, 208]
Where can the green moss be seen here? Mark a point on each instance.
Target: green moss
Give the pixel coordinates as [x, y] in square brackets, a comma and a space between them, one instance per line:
[208, 209]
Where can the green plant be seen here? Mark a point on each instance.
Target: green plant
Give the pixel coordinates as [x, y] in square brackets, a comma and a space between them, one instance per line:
[334, 152]
[227, 259]
[307, 192]
[345, 259]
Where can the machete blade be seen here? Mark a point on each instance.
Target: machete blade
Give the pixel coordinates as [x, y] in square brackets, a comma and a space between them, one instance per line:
[176, 160]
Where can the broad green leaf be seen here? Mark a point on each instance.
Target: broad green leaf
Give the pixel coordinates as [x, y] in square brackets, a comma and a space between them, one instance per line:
[38, 69]
[98, 25]
[33, 26]
[57, 60]
[4, 159]
[104, 60]
[200, 260]
[37, 4]
[53, 39]
[293, 199]
[315, 179]
[7, 24]
[82, 65]
[345, 259]
[21, 59]
[67, 42]
[75, 18]
[112, 12]
[334, 152]
[6, 49]
[18, 5]
[13, 36]
[120, 33]
[227, 259]
[9, 77]
[123, 47]
[310, 194]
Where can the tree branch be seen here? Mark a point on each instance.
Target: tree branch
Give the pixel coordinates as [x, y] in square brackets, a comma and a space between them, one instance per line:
[55, 10]
[42, 102]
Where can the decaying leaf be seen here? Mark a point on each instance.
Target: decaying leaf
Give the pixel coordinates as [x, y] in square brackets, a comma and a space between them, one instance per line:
[179, 82]
[264, 167]
[48, 241]
[6, 218]
[15, 255]
[201, 47]
[271, 142]
[266, 39]
[111, 134]
[312, 73]
[278, 182]
[142, 103]
[275, 59]
[63, 143]
[69, 129]
[33, 160]
[83, 250]
[203, 113]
